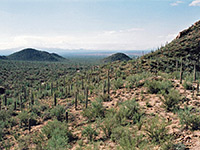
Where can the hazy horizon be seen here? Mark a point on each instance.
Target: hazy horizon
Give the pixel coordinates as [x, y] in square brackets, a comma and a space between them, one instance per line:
[97, 25]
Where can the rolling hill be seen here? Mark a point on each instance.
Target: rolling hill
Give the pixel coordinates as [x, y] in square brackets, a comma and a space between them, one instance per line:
[30, 54]
[116, 57]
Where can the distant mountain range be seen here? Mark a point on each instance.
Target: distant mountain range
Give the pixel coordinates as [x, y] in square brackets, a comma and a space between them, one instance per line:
[116, 57]
[30, 54]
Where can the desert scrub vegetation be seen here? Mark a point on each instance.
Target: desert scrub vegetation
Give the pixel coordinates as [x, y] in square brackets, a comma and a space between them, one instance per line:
[171, 100]
[58, 112]
[89, 132]
[155, 87]
[156, 130]
[58, 135]
[189, 118]
[96, 110]
[129, 110]
[135, 80]
[118, 83]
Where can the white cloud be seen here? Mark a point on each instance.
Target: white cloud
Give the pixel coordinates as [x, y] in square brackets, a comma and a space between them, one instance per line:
[126, 39]
[176, 3]
[195, 3]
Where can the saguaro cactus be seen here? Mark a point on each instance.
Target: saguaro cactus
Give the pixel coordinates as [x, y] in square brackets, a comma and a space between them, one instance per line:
[51, 89]
[66, 116]
[32, 98]
[181, 72]
[5, 100]
[82, 83]
[55, 99]
[29, 124]
[21, 103]
[86, 97]
[194, 75]
[104, 88]
[75, 102]
[15, 105]
[108, 83]
[0, 103]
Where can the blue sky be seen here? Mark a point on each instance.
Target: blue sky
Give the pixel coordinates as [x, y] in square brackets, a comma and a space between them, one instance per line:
[94, 24]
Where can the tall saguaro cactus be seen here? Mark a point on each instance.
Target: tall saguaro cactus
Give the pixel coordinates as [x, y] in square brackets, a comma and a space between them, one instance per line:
[0, 103]
[32, 98]
[15, 105]
[66, 116]
[51, 89]
[104, 88]
[75, 102]
[194, 75]
[21, 103]
[108, 90]
[181, 71]
[55, 99]
[29, 124]
[5, 100]
[82, 83]
[86, 97]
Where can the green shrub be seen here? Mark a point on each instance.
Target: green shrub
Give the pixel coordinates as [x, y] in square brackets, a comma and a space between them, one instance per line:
[189, 119]
[6, 121]
[118, 83]
[117, 133]
[187, 85]
[105, 98]
[134, 141]
[129, 110]
[59, 140]
[155, 87]
[24, 117]
[171, 100]
[58, 134]
[24, 142]
[96, 110]
[109, 123]
[135, 80]
[58, 112]
[89, 132]
[36, 110]
[156, 130]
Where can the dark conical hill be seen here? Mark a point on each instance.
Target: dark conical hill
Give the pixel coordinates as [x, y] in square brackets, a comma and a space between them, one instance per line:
[116, 57]
[30, 54]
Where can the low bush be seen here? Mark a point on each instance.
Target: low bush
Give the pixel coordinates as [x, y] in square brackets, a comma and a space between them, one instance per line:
[171, 100]
[129, 110]
[129, 141]
[58, 112]
[118, 83]
[24, 116]
[189, 119]
[156, 130]
[96, 110]
[187, 85]
[58, 135]
[155, 87]
[89, 132]
[108, 124]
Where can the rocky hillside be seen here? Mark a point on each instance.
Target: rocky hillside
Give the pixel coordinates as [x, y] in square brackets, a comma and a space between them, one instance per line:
[116, 57]
[186, 45]
[30, 54]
